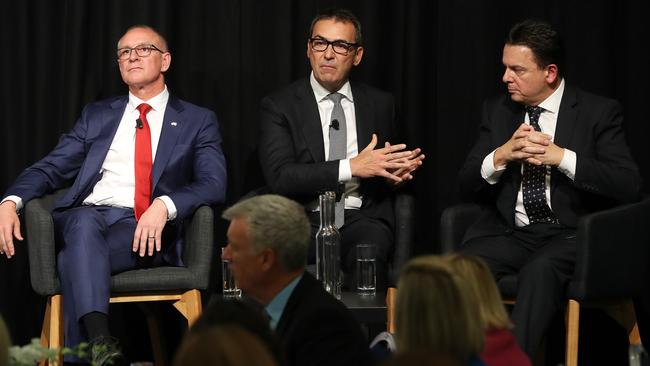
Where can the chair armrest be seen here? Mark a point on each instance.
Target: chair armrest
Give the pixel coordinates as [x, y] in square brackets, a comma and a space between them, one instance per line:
[39, 234]
[613, 253]
[199, 245]
[454, 222]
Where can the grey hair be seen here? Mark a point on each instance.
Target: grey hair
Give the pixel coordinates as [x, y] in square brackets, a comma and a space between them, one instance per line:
[163, 42]
[276, 223]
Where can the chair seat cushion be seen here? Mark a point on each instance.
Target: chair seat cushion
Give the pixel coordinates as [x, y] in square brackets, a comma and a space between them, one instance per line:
[153, 279]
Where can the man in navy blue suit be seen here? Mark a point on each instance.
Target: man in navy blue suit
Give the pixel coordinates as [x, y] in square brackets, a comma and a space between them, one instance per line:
[136, 166]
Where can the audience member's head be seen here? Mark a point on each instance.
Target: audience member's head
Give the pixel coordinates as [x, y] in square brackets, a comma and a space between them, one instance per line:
[434, 311]
[478, 278]
[233, 312]
[5, 343]
[268, 238]
[228, 345]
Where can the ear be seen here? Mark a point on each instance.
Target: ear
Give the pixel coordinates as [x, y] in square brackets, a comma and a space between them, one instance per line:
[268, 259]
[308, 50]
[166, 61]
[551, 73]
[357, 56]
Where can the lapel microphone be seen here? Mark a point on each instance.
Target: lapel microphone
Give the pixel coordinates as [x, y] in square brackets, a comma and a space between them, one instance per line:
[335, 124]
[138, 123]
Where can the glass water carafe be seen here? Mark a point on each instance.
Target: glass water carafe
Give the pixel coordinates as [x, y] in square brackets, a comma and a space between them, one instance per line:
[328, 246]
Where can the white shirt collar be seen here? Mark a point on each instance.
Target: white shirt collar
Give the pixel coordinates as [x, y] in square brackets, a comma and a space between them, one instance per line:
[552, 103]
[321, 93]
[157, 103]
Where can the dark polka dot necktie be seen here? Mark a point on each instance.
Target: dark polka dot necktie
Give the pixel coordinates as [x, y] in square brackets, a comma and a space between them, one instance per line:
[533, 182]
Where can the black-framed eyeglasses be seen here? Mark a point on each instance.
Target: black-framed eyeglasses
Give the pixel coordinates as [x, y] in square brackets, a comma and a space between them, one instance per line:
[142, 50]
[341, 47]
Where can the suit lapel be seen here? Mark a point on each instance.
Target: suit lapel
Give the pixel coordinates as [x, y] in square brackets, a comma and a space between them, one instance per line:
[171, 127]
[364, 117]
[566, 123]
[567, 118]
[110, 120]
[311, 125]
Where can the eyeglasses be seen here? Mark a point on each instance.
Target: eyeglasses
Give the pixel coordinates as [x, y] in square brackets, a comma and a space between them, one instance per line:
[142, 50]
[340, 47]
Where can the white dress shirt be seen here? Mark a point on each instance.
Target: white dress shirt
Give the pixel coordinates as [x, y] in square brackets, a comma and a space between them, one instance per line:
[548, 124]
[325, 107]
[117, 185]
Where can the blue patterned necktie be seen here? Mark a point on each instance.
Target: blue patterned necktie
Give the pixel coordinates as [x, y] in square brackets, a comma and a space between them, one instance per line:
[533, 182]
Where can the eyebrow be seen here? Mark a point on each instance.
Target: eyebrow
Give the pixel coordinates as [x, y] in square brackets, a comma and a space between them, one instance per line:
[336, 40]
[138, 45]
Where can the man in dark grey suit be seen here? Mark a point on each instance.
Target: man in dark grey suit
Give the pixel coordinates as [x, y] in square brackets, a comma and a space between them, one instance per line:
[303, 153]
[545, 156]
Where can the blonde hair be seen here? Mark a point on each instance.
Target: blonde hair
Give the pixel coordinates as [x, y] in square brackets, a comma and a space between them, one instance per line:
[481, 283]
[225, 346]
[434, 311]
[5, 342]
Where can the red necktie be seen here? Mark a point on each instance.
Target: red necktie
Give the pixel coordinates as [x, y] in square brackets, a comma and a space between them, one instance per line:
[142, 162]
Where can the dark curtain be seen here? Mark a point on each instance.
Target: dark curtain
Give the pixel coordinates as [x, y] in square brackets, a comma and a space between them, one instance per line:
[439, 58]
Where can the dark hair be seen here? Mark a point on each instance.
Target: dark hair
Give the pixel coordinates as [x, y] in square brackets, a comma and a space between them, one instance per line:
[339, 15]
[542, 39]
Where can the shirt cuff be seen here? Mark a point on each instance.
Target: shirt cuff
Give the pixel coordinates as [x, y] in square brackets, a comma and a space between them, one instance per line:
[15, 199]
[568, 164]
[345, 172]
[489, 172]
[171, 207]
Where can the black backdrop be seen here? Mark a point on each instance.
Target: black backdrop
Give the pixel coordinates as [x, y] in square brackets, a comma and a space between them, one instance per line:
[439, 58]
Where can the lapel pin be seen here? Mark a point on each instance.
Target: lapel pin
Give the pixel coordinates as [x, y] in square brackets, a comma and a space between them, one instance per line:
[174, 124]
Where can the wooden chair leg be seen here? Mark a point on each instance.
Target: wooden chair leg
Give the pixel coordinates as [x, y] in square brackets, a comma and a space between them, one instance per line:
[190, 306]
[52, 331]
[157, 341]
[572, 329]
[390, 309]
[634, 336]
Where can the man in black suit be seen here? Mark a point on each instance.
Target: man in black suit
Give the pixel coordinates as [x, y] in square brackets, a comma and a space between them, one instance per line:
[302, 152]
[268, 238]
[544, 157]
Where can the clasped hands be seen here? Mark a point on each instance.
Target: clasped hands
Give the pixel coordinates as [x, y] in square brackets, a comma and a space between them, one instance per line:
[391, 162]
[528, 145]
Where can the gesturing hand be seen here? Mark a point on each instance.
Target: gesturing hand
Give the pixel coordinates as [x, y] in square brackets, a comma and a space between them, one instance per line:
[373, 162]
[148, 233]
[414, 160]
